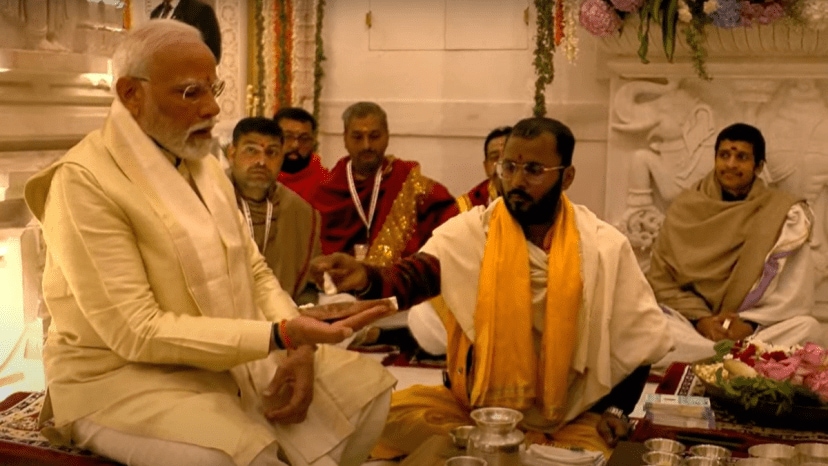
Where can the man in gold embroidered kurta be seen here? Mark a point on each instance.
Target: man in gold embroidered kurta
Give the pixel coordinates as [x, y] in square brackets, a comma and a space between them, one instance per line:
[162, 307]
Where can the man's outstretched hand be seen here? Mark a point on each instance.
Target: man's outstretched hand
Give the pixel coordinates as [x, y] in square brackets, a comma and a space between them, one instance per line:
[304, 330]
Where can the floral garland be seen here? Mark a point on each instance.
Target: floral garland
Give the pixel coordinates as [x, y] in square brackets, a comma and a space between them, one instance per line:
[557, 23]
[255, 100]
[544, 52]
[283, 30]
[319, 57]
[270, 74]
[605, 18]
[127, 6]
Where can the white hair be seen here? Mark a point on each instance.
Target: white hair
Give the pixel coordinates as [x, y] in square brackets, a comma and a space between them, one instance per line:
[133, 55]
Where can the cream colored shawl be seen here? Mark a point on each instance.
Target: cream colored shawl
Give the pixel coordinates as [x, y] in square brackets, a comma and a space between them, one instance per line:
[204, 223]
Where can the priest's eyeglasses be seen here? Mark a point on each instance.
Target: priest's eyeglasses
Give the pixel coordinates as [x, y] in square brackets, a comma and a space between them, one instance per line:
[192, 93]
[532, 171]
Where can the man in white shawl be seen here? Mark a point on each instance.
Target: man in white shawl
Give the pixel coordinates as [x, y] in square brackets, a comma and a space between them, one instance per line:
[543, 307]
[167, 326]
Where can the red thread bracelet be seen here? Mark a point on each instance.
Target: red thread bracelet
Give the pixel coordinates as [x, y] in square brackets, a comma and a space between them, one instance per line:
[283, 334]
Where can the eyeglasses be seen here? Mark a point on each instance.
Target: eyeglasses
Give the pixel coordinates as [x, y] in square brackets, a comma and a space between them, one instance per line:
[532, 171]
[192, 93]
[300, 138]
[255, 150]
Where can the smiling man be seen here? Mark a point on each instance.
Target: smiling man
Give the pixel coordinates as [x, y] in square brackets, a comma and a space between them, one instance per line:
[284, 226]
[543, 308]
[171, 341]
[733, 257]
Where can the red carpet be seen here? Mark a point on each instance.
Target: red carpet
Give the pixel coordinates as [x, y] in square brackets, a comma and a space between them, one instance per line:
[21, 442]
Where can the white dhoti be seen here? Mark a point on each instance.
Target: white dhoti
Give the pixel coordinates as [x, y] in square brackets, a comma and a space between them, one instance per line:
[690, 346]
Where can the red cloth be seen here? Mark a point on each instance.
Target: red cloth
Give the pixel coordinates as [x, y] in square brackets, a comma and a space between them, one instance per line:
[306, 182]
[342, 227]
[479, 195]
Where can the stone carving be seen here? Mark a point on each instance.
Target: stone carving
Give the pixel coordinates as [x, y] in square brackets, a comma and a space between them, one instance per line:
[678, 129]
[230, 69]
[46, 24]
[795, 122]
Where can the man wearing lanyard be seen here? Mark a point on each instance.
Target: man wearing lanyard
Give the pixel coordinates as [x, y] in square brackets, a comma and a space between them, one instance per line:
[283, 225]
[375, 206]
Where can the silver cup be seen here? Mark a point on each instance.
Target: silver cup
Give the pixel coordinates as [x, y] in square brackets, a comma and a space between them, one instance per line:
[779, 452]
[665, 445]
[757, 462]
[703, 461]
[466, 461]
[812, 453]
[661, 458]
[710, 451]
[460, 436]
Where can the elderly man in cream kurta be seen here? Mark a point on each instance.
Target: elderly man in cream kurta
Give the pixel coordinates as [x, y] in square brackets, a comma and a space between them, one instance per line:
[163, 348]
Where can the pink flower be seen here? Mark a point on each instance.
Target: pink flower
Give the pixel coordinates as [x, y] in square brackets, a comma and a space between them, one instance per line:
[599, 18]
[772, 12]
[627, 6]
[818, 383]
[812, 354]
[777, 370]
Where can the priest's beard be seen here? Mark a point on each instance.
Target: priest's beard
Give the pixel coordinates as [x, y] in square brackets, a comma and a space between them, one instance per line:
[160, 129]
[528, 212]
[295, 164]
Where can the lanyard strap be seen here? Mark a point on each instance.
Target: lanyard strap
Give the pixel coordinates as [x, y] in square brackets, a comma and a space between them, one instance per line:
[268, 220]
[374, 196]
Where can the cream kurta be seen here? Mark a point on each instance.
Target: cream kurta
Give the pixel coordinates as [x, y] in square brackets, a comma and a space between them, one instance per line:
[620, 326]
[162, 305]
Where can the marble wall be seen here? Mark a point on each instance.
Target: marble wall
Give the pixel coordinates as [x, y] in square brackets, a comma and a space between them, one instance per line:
[54, 88]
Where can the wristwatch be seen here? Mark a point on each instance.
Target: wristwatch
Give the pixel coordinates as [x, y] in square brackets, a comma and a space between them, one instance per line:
[615, 411]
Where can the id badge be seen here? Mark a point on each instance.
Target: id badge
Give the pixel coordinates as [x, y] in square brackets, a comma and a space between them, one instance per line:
[360, 251]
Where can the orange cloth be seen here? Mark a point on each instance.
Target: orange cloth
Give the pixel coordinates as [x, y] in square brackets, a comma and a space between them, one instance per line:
[507, 370]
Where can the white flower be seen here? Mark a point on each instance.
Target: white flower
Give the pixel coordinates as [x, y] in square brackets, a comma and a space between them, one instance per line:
[710, 6]
[815, 14]
[684, 14]
[570, 23]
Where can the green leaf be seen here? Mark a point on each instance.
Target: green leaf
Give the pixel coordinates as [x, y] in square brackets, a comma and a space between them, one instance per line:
[656, 9]
[644, 34]
[722, 348]
[668, 28]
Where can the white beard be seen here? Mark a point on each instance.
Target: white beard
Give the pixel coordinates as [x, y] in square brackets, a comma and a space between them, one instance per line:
[179, 145]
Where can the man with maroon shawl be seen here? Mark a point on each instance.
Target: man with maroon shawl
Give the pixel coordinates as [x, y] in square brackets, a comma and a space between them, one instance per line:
[302, 170]
[375, 206]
